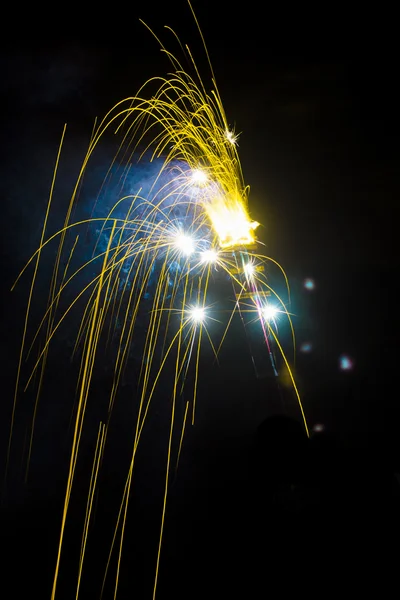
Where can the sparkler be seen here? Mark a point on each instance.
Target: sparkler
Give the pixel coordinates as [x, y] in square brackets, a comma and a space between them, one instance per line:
[156, 255]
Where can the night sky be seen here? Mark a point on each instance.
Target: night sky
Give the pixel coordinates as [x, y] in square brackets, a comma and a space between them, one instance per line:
[313, 98]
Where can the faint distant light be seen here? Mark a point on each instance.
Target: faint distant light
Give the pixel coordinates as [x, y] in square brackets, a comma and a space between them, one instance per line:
[319, 428]
[345, 363]
[306, 347]
[309, 284]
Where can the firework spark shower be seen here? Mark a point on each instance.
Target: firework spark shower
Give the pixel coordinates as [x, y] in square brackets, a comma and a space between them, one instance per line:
[148, 273]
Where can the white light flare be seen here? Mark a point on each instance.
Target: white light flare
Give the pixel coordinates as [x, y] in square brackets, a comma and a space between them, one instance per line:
[185, 243]
[269, 312]
[197, 314]
[231, 137]
[249, 270]
[209, 256]
[199, 177]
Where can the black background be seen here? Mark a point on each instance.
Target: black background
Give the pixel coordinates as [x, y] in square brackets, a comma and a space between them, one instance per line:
[313, 95]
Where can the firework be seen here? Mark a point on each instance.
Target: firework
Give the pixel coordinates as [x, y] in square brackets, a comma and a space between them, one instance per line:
[162, 246]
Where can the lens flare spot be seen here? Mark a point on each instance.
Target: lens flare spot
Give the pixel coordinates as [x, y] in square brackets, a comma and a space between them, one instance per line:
[309, 284]
[306, 347]
[345, 363]
[318, 428]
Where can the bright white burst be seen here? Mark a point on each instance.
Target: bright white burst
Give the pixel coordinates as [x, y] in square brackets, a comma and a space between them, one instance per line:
[197, 314]
[199, 177]
[209, 256]
[249, 269]
[269, 312]
[231, 137]
[185, 244]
